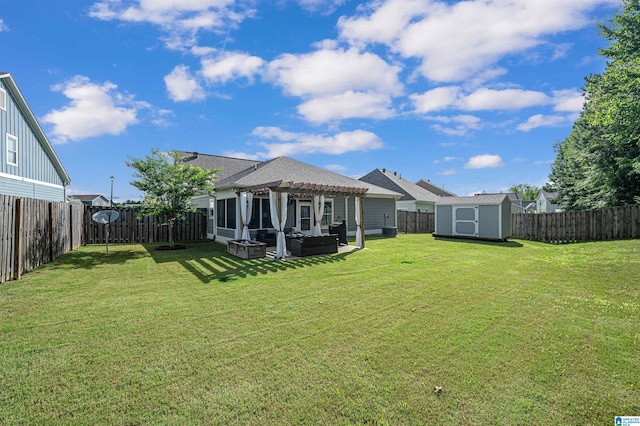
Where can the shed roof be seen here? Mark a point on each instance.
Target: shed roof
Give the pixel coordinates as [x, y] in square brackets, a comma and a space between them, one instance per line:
[394, 182]
[35, 126]
[481, 199]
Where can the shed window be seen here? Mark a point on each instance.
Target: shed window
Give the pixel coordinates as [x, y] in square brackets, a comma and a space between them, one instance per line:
[3, 99]
[12, 150]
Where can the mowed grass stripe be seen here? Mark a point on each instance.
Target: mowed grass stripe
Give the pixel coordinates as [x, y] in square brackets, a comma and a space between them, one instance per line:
[516, 333]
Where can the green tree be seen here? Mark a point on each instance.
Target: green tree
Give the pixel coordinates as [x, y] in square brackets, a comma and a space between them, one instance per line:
[168, 185]
[598, 165]
[526, 191]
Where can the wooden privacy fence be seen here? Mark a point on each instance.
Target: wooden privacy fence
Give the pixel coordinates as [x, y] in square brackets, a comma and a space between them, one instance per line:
[416, 222]
[34, 232]
[129, 229]
[613, 223]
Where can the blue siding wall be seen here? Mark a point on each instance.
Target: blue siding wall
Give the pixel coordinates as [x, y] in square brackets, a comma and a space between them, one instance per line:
[30, 190]
[33, 161]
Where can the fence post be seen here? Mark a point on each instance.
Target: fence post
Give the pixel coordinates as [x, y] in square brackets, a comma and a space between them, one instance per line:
[51, 232]
[17, 270]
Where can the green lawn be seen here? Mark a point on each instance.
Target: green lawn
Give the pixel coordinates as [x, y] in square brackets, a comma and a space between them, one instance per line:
[515, 333]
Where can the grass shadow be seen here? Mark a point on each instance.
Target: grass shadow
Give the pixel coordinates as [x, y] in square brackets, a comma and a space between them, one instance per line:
[210, 262]
[505, 244]
[80, 259]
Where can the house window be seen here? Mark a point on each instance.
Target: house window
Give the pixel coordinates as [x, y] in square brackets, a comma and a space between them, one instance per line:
[12, 150]
[266, 214]
[231, 213]
[226, 216]
[254, 223]
[327, 213]
[3, 99]
[220, 222]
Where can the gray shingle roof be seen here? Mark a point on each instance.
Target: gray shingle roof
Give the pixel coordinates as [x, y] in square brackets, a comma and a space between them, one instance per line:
[247, 173]
[230, 166]
[549, 195]
[410, 191]
[425, 184]
[482, 199]
[87, 197]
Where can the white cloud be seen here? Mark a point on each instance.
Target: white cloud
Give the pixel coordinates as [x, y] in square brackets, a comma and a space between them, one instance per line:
[230, 66]
[482, 99]
[570, 100]
[3, 26]
[510, 99]
[457, 40]
[290, 143]
[436, 99]
[182, 86]
[540, 120]
[447, 172]
[180, 19]
[347, 105]
[324, 6]
[458, 125]
[331, 72]
[484, 161]
[336, 168]
[382, 21]
[94, 110]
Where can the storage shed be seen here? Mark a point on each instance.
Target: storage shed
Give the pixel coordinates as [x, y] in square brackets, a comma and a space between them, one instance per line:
[484, 217]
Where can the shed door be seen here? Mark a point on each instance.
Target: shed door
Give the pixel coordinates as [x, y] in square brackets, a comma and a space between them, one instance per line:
[465, 221]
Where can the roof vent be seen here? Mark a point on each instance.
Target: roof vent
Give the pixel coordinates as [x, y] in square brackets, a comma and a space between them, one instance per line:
[384, 170]
[395, 173]
[195, 154]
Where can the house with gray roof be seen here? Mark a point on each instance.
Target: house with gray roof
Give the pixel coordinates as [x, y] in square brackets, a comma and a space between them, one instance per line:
[434, 189]
[91, 199]
[414, 198]
[546, 202]
[29, 167]
[301, 183]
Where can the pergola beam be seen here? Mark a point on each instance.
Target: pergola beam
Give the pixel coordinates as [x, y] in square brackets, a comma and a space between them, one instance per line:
[306, 188]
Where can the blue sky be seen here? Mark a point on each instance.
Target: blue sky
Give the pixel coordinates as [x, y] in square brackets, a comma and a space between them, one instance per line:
[471, 95]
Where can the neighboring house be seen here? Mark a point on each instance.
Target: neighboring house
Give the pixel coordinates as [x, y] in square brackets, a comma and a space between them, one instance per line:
[545, 202]
[414, 198]
[301, 182]
[519, 205]
[29, 167]
[434, 189]
[91, 200]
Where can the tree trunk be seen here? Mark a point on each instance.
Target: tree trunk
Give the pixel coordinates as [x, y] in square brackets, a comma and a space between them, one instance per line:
[171, 242]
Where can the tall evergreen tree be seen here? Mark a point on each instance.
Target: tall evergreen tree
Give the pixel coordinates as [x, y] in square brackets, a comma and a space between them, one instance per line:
[598, 165]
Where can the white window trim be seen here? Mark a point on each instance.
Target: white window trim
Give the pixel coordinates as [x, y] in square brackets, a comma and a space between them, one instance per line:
[3, 99]
[15, 139]
[333, 213]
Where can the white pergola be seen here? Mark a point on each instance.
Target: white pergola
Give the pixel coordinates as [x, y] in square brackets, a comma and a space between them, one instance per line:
[279, 191]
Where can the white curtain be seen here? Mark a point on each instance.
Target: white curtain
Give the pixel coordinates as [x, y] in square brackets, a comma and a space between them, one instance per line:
[246, 204]
[279, 221]
[318, 209]
[358, 228]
